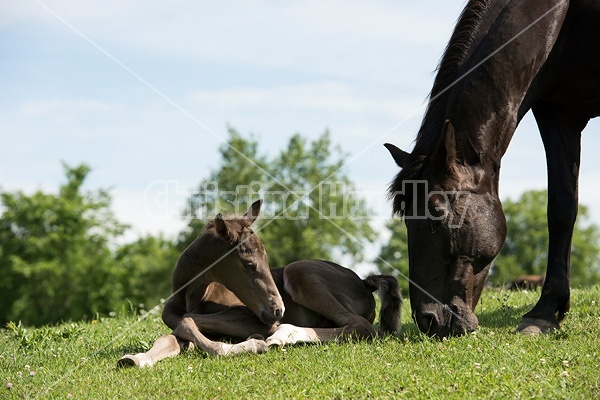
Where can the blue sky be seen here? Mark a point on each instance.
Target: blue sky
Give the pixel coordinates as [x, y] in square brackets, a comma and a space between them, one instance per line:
[143, 91]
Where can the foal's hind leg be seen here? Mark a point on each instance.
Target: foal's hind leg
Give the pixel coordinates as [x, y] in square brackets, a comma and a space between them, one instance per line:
[312, 284]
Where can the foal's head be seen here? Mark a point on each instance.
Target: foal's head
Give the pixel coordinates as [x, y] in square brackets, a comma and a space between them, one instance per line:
[245, 269]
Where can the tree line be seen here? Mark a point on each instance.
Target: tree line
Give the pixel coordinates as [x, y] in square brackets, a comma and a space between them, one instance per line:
[60, 257]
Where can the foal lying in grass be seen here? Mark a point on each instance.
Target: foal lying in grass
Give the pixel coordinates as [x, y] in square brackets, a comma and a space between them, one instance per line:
[223, 289]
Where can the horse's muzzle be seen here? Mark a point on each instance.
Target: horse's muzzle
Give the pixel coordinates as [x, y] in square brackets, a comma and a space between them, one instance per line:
[441, 320]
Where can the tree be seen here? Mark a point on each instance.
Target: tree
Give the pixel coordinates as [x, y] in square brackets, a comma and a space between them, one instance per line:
[310, 209]
[526, 248]
[59, 259]
[145, 267]
[55, 259]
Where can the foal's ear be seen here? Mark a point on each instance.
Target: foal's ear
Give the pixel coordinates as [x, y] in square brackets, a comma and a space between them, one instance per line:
[221, 227]
[253, 211]
[400, 156]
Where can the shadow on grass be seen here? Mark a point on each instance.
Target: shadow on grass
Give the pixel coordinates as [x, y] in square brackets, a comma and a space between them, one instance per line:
[503, 317]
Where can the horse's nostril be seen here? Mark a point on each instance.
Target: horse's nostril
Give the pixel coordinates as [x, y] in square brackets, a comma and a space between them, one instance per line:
[279, 313]
[427, 322]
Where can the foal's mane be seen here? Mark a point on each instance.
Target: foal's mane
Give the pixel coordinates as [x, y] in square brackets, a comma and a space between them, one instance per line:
[433, 122]
[238, 221]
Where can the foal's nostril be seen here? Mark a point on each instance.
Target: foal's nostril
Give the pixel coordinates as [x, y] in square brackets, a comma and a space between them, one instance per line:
[279, 313]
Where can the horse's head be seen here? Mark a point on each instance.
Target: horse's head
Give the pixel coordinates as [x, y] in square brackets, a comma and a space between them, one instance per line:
[245, 268]
[455, 229]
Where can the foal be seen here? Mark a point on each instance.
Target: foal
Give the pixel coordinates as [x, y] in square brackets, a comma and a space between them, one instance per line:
[223, 289]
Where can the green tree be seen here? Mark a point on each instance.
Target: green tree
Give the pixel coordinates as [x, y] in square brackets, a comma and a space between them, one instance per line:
[55, 258]
[309, 208]
[526, 248]
[393, 256]
[145, 268]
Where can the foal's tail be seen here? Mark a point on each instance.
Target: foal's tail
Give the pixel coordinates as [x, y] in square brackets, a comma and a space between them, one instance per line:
[391, 302]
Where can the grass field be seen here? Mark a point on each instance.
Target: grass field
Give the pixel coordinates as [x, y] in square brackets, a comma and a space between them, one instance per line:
[78, 360]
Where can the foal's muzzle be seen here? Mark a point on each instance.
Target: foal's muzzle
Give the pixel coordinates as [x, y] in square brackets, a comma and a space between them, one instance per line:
[272, 316]
[273, 312]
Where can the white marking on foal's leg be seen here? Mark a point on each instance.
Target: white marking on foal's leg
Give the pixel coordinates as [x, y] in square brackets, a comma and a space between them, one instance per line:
[137, 360]
[252, 346]
[291, 334]
[163, 347]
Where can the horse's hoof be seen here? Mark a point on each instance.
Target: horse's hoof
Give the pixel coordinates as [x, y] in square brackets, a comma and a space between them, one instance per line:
[128, 361]
[535, 326]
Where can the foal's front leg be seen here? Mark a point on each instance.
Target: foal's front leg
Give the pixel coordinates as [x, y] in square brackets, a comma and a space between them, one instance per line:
[188, 330]
[163, 347]
[236, 322]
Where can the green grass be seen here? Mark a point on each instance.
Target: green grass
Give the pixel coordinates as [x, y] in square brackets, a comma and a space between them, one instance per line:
[78, 360]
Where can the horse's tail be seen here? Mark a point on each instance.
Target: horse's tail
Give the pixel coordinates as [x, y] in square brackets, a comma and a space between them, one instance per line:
[391, 302]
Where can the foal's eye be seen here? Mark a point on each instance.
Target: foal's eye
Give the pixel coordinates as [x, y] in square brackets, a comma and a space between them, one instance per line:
[250, 266]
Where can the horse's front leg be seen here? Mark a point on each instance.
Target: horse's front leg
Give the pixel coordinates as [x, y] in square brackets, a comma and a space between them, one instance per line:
[188, 330]
[163, 347]
[561, 133]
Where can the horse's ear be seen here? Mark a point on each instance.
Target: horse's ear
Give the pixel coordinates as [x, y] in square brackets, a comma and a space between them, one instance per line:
[253, 211]
[400, 156]
[446, 148]
[221, 227]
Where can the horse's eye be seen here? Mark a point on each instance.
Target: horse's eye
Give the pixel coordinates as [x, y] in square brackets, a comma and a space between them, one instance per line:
[250, 266]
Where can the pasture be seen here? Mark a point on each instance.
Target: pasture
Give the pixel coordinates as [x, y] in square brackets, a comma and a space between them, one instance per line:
[78, 360]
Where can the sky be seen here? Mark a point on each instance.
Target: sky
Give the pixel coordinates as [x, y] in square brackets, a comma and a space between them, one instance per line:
[144, 92]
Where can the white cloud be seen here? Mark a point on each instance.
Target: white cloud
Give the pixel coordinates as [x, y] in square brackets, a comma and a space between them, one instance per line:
[56, 106]
[334, 38]
[333, 97]
[130, 207]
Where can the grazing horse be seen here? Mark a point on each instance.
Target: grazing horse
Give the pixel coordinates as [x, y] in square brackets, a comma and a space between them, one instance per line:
[223, 289]
[505, 57]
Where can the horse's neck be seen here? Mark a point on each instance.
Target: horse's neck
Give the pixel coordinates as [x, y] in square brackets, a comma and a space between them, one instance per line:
[487, 95]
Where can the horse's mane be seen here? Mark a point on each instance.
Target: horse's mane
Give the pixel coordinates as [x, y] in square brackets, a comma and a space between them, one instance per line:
[430, 131]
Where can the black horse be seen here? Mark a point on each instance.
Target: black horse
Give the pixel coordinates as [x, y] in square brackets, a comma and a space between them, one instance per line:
[505, 57]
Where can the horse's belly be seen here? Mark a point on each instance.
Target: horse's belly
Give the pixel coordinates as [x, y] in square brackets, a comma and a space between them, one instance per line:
[572, 72]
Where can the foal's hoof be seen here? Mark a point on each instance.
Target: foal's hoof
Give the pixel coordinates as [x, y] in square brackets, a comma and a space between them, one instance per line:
[535, 326]
[256, 336]
[256, 346]
[128, 361]
[274, 342]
